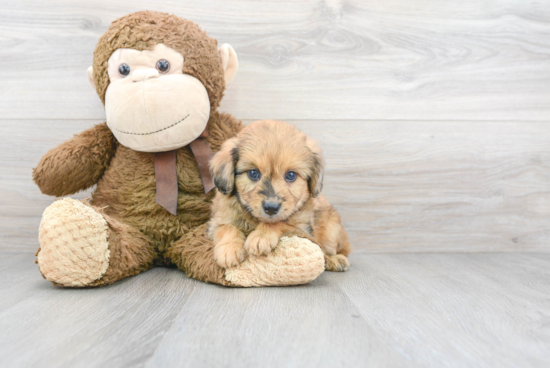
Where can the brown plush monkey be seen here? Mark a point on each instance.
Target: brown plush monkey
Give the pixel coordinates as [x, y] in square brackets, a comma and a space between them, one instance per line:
[161, 79]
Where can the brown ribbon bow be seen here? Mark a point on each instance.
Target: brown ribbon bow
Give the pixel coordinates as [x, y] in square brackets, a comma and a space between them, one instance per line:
[166, 174]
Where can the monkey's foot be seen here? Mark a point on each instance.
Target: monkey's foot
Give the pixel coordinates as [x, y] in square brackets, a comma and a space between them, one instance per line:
[74, 248]
[294, 261]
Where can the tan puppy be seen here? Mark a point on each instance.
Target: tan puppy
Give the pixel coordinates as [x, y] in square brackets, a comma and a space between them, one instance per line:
[269, 178]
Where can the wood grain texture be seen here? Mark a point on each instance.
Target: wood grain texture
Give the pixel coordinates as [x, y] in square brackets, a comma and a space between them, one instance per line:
[457, 310]
[314, 325]
[21, 203]
[116, 325]
[399, 186]
[398, 310]
[439, 186]
[313, 59]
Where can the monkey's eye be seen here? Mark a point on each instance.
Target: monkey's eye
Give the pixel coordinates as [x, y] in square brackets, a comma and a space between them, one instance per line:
[254, 175]
[124, 69]
[163, 66]
[290, 176]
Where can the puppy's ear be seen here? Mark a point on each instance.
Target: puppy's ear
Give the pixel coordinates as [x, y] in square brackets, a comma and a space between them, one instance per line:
[222, 166]
[315, 181]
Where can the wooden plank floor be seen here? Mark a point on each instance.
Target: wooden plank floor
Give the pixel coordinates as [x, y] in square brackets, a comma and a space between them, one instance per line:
[398, 310]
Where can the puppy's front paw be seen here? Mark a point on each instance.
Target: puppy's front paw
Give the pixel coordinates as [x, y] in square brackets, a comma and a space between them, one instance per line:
[229, 254]
[260, 242]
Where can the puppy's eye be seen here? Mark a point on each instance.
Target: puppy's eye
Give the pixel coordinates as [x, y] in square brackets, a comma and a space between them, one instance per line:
[124, 69]
[253, 175]
[290, 176]
[163, 66]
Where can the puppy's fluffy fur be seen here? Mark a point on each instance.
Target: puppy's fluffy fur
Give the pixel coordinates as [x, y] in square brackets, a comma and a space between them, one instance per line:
[269, 178]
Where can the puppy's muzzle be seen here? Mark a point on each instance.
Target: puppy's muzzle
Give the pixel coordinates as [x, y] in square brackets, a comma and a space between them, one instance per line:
[271, 208]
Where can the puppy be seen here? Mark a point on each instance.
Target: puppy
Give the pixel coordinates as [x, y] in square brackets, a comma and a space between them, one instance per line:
[269, 178]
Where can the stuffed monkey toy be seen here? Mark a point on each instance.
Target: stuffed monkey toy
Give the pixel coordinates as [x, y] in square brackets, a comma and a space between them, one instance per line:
[161, 79]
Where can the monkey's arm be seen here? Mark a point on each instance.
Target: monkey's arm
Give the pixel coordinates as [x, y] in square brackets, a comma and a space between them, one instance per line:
[76, 164]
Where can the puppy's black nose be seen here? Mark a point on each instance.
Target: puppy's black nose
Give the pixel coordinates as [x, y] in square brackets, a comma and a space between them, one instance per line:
[271, 208]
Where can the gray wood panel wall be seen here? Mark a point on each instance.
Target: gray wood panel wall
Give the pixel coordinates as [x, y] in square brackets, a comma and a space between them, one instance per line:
[434, 115]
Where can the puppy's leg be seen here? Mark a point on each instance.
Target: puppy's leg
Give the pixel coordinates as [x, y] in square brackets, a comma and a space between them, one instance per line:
[262, 240]
[337, 248]
[229, 248]
[295, 261]
[265, 238]
[336, 263]
[333, 240]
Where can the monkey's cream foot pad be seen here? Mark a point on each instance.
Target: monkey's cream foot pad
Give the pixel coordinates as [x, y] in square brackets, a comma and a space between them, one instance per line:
[74, 248]
[295, 261]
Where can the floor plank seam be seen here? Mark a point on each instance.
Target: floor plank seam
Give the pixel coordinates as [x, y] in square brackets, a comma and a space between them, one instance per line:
[148, 361]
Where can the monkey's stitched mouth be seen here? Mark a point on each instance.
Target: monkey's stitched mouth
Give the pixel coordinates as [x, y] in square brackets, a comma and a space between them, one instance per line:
[156, 131]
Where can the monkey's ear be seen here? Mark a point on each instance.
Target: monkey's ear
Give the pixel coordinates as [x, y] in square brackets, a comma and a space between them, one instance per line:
[315, 182]
[222, 166]
[230, 63]
[91, 76]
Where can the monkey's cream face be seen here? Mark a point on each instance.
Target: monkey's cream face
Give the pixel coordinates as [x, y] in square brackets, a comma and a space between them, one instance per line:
[151, 105]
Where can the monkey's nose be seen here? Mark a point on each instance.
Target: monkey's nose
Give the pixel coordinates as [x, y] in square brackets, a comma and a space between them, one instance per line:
[271, 208]
[144, 74]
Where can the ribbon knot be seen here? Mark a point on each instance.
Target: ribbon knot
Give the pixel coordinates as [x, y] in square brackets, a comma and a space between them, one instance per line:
[166, 175]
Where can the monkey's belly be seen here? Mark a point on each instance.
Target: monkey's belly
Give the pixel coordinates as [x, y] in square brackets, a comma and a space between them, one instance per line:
[127, 192]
